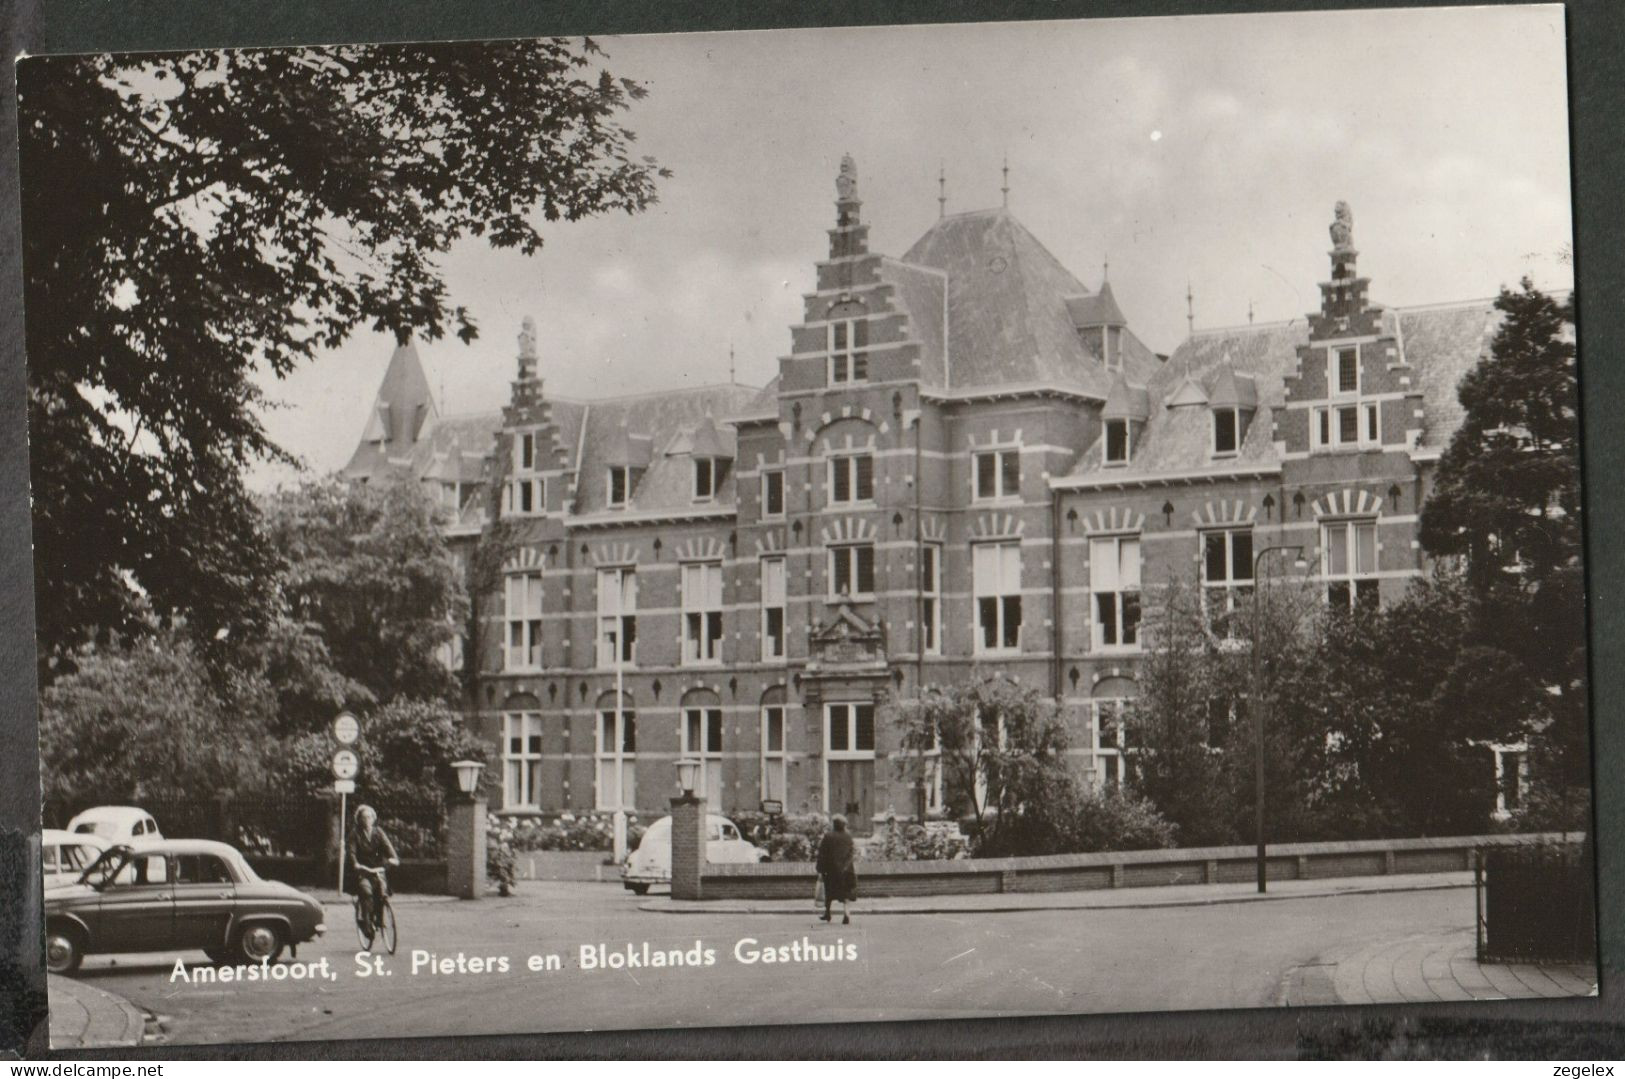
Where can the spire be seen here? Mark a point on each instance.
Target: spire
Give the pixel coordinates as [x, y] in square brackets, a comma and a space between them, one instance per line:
[1190, 310]
[1005, 190]
[942, 190]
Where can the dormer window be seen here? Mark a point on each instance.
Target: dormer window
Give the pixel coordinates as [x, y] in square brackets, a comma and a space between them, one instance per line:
[848, 358]
[1117, 442]
[705, 479]
[617, 486]
[1226, 431]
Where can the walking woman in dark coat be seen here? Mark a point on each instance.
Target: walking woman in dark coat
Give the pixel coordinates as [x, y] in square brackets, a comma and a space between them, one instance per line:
[837, 865]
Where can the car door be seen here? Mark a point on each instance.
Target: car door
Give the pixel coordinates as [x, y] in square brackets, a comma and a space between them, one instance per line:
[205, 896]
[137, 909]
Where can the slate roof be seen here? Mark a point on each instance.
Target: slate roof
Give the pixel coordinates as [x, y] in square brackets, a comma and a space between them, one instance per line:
[1098, 310]
[402, 408]
[920, 292]
[671, 419]
[1440, 343]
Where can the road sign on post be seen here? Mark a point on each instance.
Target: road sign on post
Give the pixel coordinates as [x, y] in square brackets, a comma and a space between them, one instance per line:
[345, 764]
[346, 730]
[343, 786]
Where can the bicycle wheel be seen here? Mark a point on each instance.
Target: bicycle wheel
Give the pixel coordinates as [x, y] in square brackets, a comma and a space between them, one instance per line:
[387, 920]
[363, 927]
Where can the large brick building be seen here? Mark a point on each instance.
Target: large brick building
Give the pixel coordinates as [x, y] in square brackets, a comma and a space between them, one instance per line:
[968, 461]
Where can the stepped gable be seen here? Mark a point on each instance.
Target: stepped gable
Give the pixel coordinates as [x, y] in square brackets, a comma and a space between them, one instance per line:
[1008, 321]
[399, 413]
[669, 419]
[921, 294]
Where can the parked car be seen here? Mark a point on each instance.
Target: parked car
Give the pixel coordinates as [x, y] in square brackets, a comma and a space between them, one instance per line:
[66, 855]
[116, 824]
[171, 895]
[651, 862]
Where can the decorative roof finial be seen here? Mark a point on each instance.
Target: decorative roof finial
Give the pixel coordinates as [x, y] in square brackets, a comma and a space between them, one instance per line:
[1190, 309]
[1249, 312]
[731, 374]
[942, 190]
[846, 184]
[1105, 269]
[1005, 190]
[1342, 229]
[527, 349]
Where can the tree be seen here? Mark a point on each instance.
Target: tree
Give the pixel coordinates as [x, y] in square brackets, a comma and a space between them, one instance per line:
[366, 570]
[406, 752]
[192, 218]
[141, 717]
[1002, 748]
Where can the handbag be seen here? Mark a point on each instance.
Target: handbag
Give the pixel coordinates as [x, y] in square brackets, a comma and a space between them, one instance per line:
[818, 892]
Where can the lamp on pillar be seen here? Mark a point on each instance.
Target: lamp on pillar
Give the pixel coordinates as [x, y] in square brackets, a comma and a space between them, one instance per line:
[687, 833]
[465, 833]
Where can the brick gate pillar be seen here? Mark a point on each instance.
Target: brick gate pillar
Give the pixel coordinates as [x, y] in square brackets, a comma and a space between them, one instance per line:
[465, 847]
[687, 846]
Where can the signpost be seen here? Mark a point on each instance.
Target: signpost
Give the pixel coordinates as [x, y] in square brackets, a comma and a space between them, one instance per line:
[346, 729]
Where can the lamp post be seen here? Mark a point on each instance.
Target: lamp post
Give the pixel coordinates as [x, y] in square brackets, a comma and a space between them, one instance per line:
[1258, 699]
[688, 770]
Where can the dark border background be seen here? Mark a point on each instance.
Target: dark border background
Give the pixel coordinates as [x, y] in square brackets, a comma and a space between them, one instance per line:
[1568, 1030]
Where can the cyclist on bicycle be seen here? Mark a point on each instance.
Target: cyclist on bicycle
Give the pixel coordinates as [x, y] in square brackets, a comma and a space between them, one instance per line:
[370, 852]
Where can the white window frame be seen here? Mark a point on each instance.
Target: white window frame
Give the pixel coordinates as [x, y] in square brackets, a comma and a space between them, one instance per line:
[703, 601]
[1334, 371]
[1346, 533]
[617, 617]
[706, 466]
[1229, 590]
[776, 762]
[1107, 578]
[525, 493]
[774, 577]
[604, 759]
[996, 576]
[768, 475]
[526, 655]
[1326, 429]
[847, 463]
[850, 555]
[931, 595]
[849, 711]
[708, 718]
[625, 474]
[522, 768]
[1106, 442]
[1235, 419]
[1000, 458]
[1111, 761]
[846, 359]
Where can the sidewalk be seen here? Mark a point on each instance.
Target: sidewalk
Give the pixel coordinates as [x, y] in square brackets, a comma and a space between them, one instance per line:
[1177, 895]
[1428, 969]
[83, 1017]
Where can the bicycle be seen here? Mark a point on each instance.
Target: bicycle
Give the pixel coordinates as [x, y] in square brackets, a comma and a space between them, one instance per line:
[382, 919]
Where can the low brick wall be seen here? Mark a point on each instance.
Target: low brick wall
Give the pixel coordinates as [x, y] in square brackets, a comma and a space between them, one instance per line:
[1122, 869]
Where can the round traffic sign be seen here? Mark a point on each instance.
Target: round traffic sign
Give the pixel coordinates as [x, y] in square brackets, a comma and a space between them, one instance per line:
[345, 764]
[346, 729]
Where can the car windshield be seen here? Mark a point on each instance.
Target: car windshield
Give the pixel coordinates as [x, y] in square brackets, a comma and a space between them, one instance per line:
[99, 827]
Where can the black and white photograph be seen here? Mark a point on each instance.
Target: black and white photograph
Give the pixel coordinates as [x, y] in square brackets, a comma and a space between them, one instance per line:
[807, 526]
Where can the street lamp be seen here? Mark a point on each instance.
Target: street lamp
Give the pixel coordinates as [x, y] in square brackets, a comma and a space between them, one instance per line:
[688, 770]
[468, 775]
[1258, 699]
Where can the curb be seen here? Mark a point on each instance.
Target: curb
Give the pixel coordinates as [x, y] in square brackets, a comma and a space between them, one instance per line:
[111, 1021]
[700, 907]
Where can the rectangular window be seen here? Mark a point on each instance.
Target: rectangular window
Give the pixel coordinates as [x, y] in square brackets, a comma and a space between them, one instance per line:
[1344, 426]
[998, 474]
[605, 777]
[702, 612]
[702, 740]
[851, 479]
[1117, 442]
[848, 356]
[1227, 577]
[524, 620]
[1226, 428]
[996, 569]
[525, 453]
[931, 597]
[773, 492]
[1348, 369]
[775, 756]
[522, 760]
[1111, 742]
[1349, 562]
[705, 478]
[850, 730]
[852, 570]
[1114, 581]
[617, 616]
[773, 601]
[617, 486]
[525, 493]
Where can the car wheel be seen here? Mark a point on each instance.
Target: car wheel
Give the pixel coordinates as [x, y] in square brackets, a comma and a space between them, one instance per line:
[64, 949]
[259, 942]
[639, 889]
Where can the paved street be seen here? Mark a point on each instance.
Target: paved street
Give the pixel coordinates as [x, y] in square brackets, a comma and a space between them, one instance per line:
[954, 963]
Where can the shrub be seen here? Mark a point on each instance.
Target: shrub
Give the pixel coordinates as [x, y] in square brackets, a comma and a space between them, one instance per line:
[569, 832]
[915, 843]
[792, 838]
[1076, 820]
[500, 864]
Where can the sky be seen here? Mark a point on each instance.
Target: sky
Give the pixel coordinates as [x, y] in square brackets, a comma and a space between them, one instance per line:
[1200, 151]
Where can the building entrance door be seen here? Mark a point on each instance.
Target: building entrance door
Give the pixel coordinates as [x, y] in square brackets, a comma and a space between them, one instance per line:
[851, 793]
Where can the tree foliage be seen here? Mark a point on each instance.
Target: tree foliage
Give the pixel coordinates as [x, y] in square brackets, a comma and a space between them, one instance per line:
[190, 219]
